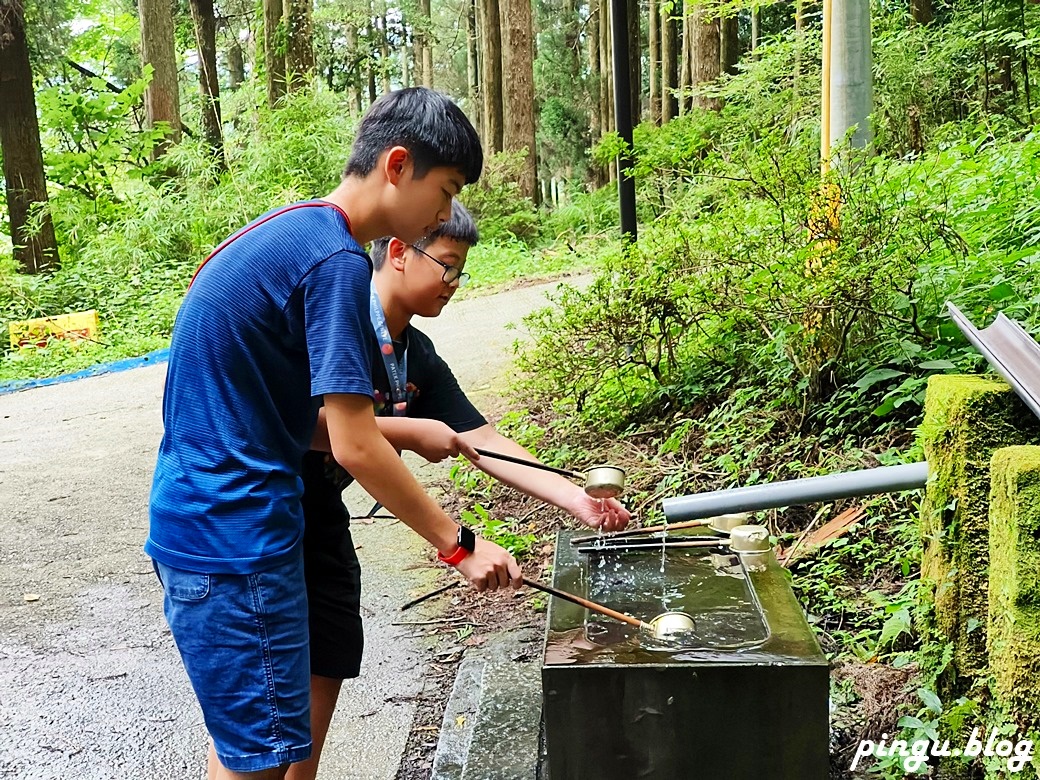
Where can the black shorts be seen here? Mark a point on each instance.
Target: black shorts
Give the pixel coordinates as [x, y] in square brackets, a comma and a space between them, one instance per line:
[333, 576]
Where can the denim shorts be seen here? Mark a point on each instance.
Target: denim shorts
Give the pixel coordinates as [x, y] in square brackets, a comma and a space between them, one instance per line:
[243, 641]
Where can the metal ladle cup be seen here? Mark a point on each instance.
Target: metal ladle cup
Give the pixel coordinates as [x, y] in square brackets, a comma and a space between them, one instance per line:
[605, 481]
[669, 624]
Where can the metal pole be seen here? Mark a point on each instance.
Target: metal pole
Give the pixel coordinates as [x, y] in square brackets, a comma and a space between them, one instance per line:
[623, 116]
[795, 492]
[851, 89]
[825, 89]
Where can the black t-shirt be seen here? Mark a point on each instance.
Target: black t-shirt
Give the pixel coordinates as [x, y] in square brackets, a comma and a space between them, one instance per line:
[432, 393]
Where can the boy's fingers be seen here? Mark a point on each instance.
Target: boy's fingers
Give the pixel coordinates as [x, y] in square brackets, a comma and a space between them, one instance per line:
[516, 577]
[467, 451]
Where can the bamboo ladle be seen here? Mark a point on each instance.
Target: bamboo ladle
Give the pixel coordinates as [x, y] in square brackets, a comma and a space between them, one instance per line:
[661, 627]
[613, 613]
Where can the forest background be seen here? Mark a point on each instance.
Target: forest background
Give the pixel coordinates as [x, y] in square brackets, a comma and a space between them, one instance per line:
[753, 332]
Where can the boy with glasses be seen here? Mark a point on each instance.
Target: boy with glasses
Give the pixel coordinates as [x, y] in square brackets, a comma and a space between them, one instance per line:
[416, 396]
[274, 326]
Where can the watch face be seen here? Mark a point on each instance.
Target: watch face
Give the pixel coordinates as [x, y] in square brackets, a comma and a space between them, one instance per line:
[467, 539]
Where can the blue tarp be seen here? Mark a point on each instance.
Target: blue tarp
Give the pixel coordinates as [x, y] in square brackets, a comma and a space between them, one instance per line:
[159, 356]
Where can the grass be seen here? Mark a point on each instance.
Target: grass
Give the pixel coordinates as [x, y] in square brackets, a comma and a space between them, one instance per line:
[493, 265]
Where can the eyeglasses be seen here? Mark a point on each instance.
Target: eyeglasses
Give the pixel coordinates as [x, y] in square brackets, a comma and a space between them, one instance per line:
[451, 273]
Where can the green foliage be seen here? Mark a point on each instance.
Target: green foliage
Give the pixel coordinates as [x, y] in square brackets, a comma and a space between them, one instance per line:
[502, 532]
[563, 138]
[497, 204]
[509, 259]
[130, 253]
[92, 146]
[583, 216]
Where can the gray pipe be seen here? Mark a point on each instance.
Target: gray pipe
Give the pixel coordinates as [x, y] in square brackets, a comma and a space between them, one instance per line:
[795, 492]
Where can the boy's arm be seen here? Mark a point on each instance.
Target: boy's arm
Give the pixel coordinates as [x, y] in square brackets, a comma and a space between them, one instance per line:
[361, 449]
[609, 515]
[430, 439]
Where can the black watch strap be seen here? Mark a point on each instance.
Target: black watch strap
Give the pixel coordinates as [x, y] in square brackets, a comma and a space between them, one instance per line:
[467, 539]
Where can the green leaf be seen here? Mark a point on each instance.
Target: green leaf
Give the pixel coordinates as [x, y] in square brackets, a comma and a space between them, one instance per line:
[1001, 291]
[910, 722]
[877, 375]
[931, 701]
[937, 365]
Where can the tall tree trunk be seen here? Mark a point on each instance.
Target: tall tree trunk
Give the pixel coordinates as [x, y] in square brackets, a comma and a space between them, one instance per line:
[26, 185]
[518, 80]
[635, 49]
[595, 76]
[352, 62]
[729, 50]
[482, 73]
[274, 53]
[406, 53]
[161, 98]
[799, 32]
[384, 50]
[606, 53]
[491, 45]
[236, 63]
[299, 43]
[373, 45]
[921, 11]
[686, 57]
[654, 35]
[473, 67]
[669, 63]
[427, 44]
[209, 86]
[606, 69]
[756, 27]
[706, 64]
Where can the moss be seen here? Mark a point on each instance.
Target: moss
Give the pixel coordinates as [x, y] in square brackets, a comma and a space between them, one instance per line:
[967, 418]
[1014, 597]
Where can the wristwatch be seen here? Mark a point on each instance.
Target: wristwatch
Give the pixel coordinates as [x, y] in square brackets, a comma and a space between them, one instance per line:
[466, 543]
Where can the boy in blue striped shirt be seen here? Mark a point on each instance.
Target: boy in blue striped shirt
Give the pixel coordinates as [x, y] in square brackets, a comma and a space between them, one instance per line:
[274, 328]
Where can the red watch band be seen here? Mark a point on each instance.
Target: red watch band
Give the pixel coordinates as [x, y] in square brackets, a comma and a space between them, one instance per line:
[455, 558]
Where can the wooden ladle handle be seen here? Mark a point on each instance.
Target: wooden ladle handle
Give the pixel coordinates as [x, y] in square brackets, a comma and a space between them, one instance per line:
[587, 604]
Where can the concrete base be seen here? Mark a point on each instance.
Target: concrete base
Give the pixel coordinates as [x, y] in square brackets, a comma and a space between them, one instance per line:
[492, 718]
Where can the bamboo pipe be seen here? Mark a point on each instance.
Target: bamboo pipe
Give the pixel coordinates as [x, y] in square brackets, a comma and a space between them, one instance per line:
[652, 529]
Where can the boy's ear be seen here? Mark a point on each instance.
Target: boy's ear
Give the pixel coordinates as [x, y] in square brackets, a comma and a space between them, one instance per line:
[395, 250]
[396, 163]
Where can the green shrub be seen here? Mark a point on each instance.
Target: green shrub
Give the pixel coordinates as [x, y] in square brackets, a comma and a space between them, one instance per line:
[497, 204]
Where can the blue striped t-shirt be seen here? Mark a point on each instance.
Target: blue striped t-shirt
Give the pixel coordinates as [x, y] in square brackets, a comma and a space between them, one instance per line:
[277, 318]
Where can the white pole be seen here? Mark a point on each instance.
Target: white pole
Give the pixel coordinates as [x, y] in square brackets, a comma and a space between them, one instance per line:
[851, 92]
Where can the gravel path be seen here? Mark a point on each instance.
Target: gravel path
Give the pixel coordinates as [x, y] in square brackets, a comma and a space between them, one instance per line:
[90, 684]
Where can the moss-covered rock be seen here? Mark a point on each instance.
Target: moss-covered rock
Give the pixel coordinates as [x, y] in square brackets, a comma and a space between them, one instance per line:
[967, 418]
[1014, 581]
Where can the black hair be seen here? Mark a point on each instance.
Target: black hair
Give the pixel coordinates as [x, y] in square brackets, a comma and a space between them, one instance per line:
[426, 123]
[461, 227]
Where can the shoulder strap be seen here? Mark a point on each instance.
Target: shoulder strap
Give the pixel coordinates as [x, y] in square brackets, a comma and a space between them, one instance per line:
[268, 218]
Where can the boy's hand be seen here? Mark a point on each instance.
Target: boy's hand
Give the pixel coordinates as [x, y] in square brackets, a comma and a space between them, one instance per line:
[435, 441]
[607, 514]
[490, 567]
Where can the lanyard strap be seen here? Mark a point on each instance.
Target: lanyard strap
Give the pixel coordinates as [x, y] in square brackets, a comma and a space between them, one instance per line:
[396, 370]
[272, 215]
